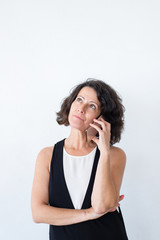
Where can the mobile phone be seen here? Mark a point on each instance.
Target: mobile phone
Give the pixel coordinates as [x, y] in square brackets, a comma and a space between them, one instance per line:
[92, 132]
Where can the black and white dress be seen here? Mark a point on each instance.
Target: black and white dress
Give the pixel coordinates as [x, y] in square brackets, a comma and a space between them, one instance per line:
[70, 186]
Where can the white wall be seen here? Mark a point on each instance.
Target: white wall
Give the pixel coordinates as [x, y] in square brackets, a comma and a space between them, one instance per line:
[46, 48]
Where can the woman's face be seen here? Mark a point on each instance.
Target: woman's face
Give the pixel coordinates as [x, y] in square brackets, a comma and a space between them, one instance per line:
[84, 109]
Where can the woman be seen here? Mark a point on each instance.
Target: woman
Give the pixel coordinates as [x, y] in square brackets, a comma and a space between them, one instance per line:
[77, 182]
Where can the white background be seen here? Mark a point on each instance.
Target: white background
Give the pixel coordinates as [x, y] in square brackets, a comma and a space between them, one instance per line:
[46, 48]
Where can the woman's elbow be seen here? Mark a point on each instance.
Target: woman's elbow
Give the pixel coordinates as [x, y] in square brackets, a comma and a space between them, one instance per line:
[99, 210]
[35, 217]
[103, 208]
[36, 213]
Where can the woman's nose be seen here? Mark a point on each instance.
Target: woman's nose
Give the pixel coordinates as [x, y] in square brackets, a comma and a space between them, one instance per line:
[81, 109]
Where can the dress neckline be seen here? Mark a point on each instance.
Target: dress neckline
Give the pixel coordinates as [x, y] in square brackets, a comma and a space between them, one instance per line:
[79, 156]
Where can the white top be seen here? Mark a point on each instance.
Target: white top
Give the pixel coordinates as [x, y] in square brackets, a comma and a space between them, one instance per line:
[77, 172]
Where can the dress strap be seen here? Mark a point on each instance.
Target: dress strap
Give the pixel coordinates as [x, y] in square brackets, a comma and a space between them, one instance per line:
[120, 212]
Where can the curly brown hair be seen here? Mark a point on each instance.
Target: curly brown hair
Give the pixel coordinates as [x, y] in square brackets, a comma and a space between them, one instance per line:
[112, 108]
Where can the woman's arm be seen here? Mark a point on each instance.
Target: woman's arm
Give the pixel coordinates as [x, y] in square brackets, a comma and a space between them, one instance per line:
[109, 174]
[41, 211]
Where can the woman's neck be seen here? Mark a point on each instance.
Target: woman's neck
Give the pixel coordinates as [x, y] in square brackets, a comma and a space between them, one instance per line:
[77, 140]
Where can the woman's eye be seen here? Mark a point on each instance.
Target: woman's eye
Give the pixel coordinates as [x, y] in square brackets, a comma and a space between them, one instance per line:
[93, 106]
[79, 99]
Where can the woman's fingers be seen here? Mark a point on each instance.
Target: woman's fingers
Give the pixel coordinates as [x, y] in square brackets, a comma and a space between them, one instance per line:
[121, 197]
[97, 127]
[103, 128]
[101, 122]
[104, 123]
[100, 126]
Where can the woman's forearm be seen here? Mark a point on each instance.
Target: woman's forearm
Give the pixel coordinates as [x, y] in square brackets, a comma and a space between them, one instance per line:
[104, 194]
[59, 216]
[62, 216]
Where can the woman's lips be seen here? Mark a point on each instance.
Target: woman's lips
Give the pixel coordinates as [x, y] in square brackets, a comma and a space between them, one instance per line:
[78, 117]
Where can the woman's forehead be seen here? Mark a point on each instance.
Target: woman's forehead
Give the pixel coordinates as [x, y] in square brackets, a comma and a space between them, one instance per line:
[89, 94]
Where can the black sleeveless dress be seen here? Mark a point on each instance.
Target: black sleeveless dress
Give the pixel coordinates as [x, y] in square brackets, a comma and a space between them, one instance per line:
[108, 227]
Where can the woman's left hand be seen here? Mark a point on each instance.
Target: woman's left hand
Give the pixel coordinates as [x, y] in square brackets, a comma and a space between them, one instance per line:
[104, 131]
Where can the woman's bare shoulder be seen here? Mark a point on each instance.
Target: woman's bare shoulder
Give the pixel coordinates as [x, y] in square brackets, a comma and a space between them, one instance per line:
[46, 151]
[45, 155]
[118, 155]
